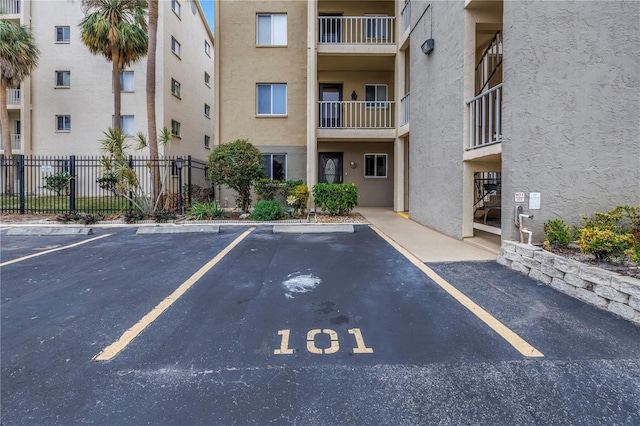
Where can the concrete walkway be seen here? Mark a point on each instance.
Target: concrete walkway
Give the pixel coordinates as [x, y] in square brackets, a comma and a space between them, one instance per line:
[425, 243]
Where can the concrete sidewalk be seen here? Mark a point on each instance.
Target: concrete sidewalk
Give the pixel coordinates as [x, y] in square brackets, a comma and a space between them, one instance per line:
[425, 243]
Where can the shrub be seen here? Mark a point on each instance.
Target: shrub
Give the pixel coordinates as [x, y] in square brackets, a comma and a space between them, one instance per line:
[288, 187]
[299, 199]
[237, 165]
[558, 234]
[76, 217]
[336, 198]
[164, 215]
[267, 210]
[57, 182]
[266, 189]
[205, 211]
[109, 182]
[134, 216]
[603, 243]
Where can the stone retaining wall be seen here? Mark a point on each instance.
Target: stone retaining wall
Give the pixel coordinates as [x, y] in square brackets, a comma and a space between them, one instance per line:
[605, 289]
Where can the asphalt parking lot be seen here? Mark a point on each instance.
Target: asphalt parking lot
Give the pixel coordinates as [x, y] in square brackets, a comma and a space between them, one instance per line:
[253, 327]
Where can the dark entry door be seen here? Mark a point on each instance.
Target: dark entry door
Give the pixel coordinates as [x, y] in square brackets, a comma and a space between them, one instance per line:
[330, 106]
[330, 167]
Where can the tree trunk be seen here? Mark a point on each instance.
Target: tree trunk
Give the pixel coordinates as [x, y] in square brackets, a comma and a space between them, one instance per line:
[6, 140]
[151, 101]
[117, 95]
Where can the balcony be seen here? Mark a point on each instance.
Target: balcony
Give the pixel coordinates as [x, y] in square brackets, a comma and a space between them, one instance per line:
[10, 7]
[14, 97]
[16, 142]
[405, 106]
[356, 119]
[357, 34]
[485, 118]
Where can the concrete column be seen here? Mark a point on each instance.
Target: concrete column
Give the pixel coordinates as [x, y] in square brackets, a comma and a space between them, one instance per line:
[399, 174]
[312, 90]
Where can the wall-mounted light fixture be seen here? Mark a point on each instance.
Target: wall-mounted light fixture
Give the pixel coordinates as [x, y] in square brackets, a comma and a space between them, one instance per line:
[353, 164]
[354, 96]
[427, 46]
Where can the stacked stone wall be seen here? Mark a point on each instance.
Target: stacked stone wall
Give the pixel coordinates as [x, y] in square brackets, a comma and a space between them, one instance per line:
[605, 289]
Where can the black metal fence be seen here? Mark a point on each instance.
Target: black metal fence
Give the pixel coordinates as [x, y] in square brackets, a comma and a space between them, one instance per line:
[81, 184]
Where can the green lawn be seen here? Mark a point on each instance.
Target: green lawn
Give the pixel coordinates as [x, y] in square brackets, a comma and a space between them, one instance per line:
[55, 204]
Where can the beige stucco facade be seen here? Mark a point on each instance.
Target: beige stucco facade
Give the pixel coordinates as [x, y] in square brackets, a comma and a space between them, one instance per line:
[88, 97]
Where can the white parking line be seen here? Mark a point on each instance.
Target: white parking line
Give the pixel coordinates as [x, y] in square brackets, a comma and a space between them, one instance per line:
[20, 259]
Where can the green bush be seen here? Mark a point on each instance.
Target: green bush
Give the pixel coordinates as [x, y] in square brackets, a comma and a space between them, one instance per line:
[558, 234]
[164, 215]
[266, 189]
[299, 199]
[634, 253]
[287, 187]
[336, 198]
[109, 182]
[76, 217]
[57, 182]
[603, 243]
[205, 211]
[267, 210]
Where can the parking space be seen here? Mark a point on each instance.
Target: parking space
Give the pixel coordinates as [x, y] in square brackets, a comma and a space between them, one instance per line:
[289, 328]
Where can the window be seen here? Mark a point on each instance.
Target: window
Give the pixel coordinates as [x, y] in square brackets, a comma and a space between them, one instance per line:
[207, 48]
[207, 78]
[126, 81]
[377, 26]
[63, 123]
[375, 165]
[375, 95]
[175, 88]
[175, 128]
[207, 110]
[271, 99]
[63, 78]
[207, 141]
[126, 124]
[275, 166]
[175, 46]
[175, 6]
[63, 34]
[271, 30]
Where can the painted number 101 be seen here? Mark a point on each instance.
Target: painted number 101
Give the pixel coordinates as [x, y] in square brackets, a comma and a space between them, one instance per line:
[334, 344]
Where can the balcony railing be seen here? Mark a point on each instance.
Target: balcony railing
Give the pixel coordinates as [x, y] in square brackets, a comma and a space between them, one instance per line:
[10, 7]
[485, 118]
[356, 115]
[356, 29]
[16, 142]
[405, 16]
[489, 63]
[13, 96]
[405, 106]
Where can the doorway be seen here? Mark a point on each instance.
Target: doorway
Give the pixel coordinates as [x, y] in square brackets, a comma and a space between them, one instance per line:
[330, 106]
[330, 167]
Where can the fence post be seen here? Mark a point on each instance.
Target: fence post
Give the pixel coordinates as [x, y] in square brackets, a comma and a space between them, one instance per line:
[20, 168]
[72, 183]
[189, 187]
[130, 193]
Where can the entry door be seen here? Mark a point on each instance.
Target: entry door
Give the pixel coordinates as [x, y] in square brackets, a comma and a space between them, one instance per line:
[330, 167]
[331, 106]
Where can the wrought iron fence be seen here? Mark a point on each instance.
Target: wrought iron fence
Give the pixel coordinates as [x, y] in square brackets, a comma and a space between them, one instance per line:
[57, 184]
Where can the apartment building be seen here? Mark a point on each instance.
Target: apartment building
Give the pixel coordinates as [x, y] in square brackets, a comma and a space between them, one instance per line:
[66, 104]
[457, 112]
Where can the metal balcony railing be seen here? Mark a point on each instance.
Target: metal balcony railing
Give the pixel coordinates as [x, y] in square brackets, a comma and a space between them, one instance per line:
[10, 7]
[13, 96]
[356, 115]
[16, 142]
[405, 16]
[489, 63]
[405, 106]
[356, 29]
[485, 118]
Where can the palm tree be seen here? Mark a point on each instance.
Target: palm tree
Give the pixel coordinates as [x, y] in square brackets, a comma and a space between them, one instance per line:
[116, 29]
[151, 97]
[18, 57]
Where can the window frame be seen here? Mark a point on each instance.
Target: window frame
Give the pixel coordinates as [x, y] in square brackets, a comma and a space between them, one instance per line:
[174, 43]
[63, 40]
[375, 157]
[122, 81]
[59, 73]
[376, 103]
[285, 164]
[66, 123]
[207, 79]
[207, 110]
[207, 48]
[175, 84]
[176, 124]
[207, 142]
[125, 117]
[272, 42]
[176, 10]
[271, 114]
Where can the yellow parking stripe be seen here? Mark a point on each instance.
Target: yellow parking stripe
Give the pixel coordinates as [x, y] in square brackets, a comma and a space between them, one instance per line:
[20, 259]
[507, 334]
[116, 347]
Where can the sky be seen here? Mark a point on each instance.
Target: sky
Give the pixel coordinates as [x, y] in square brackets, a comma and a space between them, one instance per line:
[207, 7]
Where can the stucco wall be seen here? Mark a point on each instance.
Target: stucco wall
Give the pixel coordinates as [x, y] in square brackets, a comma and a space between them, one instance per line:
[437, 117]
[571, 108]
